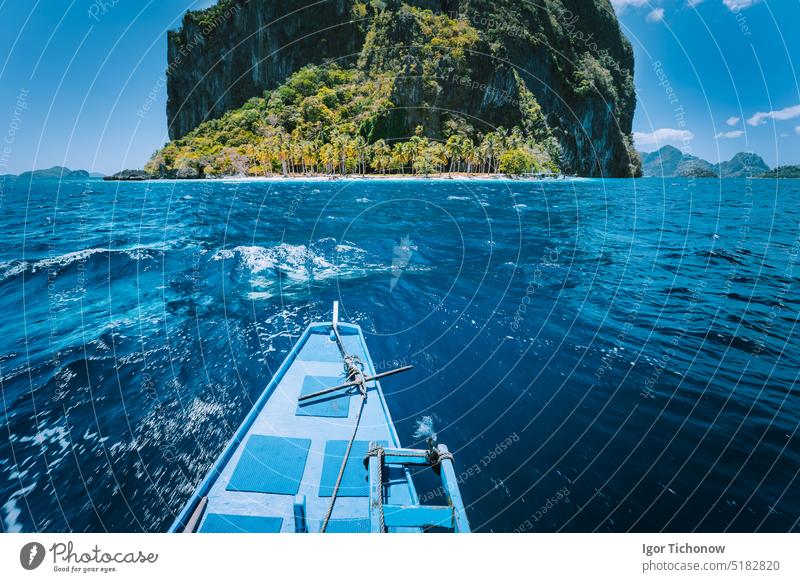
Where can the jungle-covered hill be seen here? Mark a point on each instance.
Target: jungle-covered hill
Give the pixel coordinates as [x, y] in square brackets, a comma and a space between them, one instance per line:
[427, 86]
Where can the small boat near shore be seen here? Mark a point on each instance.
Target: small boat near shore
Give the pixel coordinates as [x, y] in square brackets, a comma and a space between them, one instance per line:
[318, 452]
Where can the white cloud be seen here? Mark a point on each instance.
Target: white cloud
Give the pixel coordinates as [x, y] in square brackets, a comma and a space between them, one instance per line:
[622, 5]
[761, 117]
[733, 121]
[736, 5]
[656, 15]
[662, 136]
[729, 134]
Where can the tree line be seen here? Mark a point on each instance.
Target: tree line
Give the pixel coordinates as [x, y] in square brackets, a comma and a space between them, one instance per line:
[283, 153]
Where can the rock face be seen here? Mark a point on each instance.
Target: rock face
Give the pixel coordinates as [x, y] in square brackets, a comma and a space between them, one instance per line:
[569, 54]
[128, 176]
[670, 162]
[238, 49]
[743, 165]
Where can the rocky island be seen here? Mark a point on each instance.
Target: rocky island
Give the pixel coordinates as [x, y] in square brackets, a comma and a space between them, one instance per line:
[258, 88]
[670, 162]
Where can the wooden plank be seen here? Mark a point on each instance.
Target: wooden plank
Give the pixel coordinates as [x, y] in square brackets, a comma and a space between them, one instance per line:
[418, 516]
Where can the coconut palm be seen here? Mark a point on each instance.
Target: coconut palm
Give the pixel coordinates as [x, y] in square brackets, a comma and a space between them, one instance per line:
[328, 157]
[380, 156]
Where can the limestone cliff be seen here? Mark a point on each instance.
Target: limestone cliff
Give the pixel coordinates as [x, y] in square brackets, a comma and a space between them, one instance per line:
[237, 49]
[564, 61]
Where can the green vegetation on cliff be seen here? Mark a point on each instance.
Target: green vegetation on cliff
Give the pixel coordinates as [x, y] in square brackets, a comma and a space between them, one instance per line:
[560, 70]
[329, 119]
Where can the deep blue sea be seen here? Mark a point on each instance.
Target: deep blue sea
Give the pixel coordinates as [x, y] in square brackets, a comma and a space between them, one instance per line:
[600, 355]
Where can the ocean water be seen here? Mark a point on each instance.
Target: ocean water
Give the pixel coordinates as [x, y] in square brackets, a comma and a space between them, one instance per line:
[600, 355]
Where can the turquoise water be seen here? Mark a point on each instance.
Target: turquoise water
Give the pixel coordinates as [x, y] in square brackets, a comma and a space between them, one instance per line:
[600, 355]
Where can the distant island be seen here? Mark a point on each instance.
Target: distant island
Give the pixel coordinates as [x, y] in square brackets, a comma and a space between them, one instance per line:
[670, 162]
[783, 172]
[390, 87]
[56, 173]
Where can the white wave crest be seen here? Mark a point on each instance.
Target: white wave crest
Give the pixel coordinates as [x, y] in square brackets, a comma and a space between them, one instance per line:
[11, 269]
[299, 264]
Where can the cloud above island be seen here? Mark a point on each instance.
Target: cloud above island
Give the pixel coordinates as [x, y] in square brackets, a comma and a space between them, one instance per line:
[657, 14]
[729, 134]
[662, 136]
[622, 5]
[736, 5]
[784, 114]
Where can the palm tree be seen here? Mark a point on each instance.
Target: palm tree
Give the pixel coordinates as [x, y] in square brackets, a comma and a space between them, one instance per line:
[328, 157]
[381, 156]
[417, 146]
[456, 147]
[310, 155]
[490, 149]
[441, 155]
[350, 157]
[360, 148]
[516, 140]
[284, 151]
[401, 155]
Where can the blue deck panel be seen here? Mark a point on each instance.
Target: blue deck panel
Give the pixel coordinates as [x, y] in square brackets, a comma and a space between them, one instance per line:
[355, 480]
[348, 526]
[216, 523]
[276, 415]
[270, 464]
[332, 405]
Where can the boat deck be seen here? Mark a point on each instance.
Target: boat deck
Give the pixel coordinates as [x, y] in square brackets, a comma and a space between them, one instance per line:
[285, 450]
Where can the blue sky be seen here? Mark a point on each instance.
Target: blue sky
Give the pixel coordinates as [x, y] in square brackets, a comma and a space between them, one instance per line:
[715, 77]
[75, 76]
[81, 81]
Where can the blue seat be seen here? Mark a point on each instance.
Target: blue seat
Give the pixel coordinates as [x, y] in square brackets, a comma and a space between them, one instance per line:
[348, 526]
[224, 523]
[355, 481]
[334, 405]
[270, 464]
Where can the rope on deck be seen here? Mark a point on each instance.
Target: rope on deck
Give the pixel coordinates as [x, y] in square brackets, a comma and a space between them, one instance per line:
[341, 469]
[354, 373]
